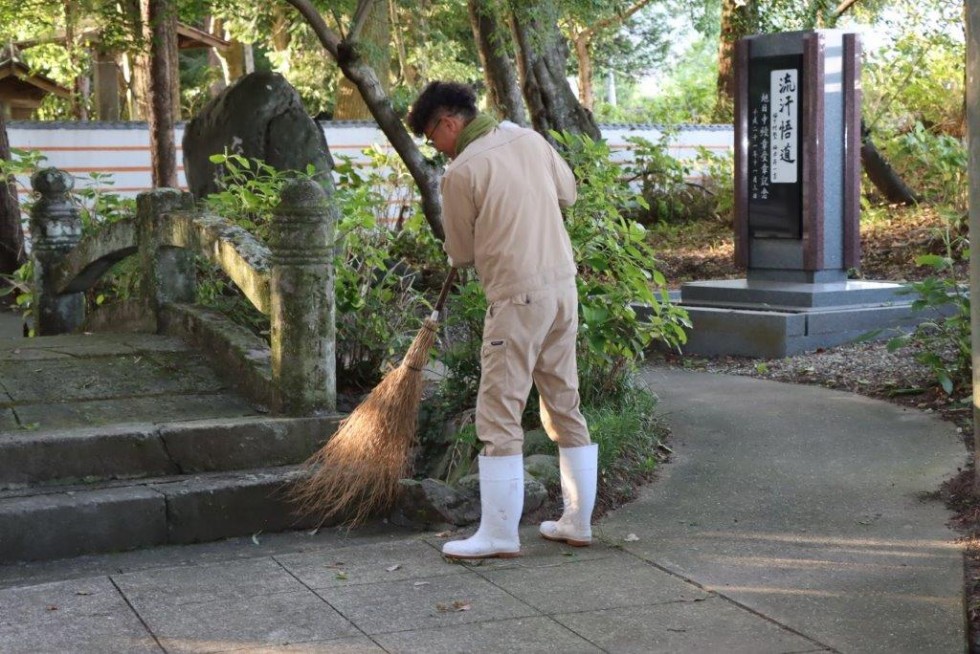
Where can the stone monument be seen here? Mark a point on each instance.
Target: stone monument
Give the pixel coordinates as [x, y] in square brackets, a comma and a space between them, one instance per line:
[797, 204]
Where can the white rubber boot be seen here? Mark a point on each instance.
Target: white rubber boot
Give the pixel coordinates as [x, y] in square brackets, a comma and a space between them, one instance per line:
[501, 504]
[579, 473]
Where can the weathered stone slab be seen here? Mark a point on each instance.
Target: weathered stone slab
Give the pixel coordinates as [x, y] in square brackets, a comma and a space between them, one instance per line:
[8, 421]
[27, 355]
[539, 635]
[63, 340]
[11, 325]
[81, 455]
[107, 377]
[151, 343]
[404, 605]
[212, 507]
[161, 408]
[368, 564]
[87, 616]
[68, 524]
[240, 444]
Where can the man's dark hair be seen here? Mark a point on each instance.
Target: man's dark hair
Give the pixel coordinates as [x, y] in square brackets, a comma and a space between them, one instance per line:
[450, 97]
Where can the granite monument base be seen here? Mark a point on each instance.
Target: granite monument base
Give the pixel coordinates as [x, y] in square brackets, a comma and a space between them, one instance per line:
[775, 319]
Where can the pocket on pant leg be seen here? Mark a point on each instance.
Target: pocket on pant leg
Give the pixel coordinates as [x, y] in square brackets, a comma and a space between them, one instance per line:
[493, 363]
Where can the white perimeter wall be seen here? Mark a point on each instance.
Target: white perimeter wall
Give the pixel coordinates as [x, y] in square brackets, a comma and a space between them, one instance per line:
[122, 150]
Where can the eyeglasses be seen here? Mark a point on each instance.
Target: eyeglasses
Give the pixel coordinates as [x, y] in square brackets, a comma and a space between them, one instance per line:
[428, 137]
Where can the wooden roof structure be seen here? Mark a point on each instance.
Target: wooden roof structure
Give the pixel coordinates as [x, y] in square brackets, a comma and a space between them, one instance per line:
[188, 38]
[22, 90]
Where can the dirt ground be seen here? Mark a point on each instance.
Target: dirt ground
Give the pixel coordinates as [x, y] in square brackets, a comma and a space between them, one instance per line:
[889, 247]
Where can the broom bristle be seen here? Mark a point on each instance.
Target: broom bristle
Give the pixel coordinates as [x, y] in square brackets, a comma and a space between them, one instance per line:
[356, 473]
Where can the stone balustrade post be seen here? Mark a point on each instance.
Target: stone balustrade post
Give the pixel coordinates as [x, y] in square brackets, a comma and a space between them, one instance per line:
[56, 227]
[302, 299]
[169, 273]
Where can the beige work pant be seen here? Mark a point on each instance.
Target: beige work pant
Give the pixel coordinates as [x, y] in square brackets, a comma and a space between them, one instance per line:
[530, 338]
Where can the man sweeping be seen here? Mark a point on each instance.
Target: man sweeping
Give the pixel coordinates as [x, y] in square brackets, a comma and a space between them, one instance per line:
[502, 197]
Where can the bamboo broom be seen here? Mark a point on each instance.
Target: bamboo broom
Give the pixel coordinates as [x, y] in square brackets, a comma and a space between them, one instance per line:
[356, 473]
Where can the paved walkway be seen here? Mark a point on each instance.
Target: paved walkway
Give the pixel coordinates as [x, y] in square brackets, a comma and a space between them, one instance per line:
[792, 519]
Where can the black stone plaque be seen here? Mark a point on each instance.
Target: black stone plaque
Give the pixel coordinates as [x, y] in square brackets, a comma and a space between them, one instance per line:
[775, 126]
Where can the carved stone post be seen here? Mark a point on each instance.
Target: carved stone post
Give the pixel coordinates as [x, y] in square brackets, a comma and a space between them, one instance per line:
[56, 227]
[302, 298]
[168, 272]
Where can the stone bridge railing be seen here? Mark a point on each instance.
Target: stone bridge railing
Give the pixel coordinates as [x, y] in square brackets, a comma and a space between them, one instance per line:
[290, 280]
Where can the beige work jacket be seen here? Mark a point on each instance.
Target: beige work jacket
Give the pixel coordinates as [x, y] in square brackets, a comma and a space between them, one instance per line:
[501, 202]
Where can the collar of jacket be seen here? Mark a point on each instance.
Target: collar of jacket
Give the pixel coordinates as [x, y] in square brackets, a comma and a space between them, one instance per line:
[480, 125]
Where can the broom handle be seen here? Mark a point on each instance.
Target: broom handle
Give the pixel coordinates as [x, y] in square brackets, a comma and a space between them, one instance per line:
[444, 293]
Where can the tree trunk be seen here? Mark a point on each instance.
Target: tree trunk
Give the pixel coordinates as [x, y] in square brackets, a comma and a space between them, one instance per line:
[78, 97]
[136, 63]
[106, 84]
[494, 47]
[739, 18]
[232, 61]
[543, 54]
[406, 73]
[373, 43]
[423, 171]
[972, 20]
[882, 175]
[11, 231]
[586, 95]
[160, 31]
[425, 174]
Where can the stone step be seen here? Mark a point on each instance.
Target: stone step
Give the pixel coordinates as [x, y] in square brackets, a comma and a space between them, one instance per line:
[59, 522]
[140, 450]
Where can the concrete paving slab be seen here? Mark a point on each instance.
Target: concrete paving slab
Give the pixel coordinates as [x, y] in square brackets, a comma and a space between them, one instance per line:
[83, 616]
[264, 619]
[244, 548]
[809, 506]
[424, 604]
[201, 584]
[367, 564]
[705, 625]
[357, 645]
[538, 635]
[612, 582]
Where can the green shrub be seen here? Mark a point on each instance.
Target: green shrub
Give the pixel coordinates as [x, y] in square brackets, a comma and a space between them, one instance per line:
[935, 164]
[665, 182]
[617, 272]
[943, 341]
